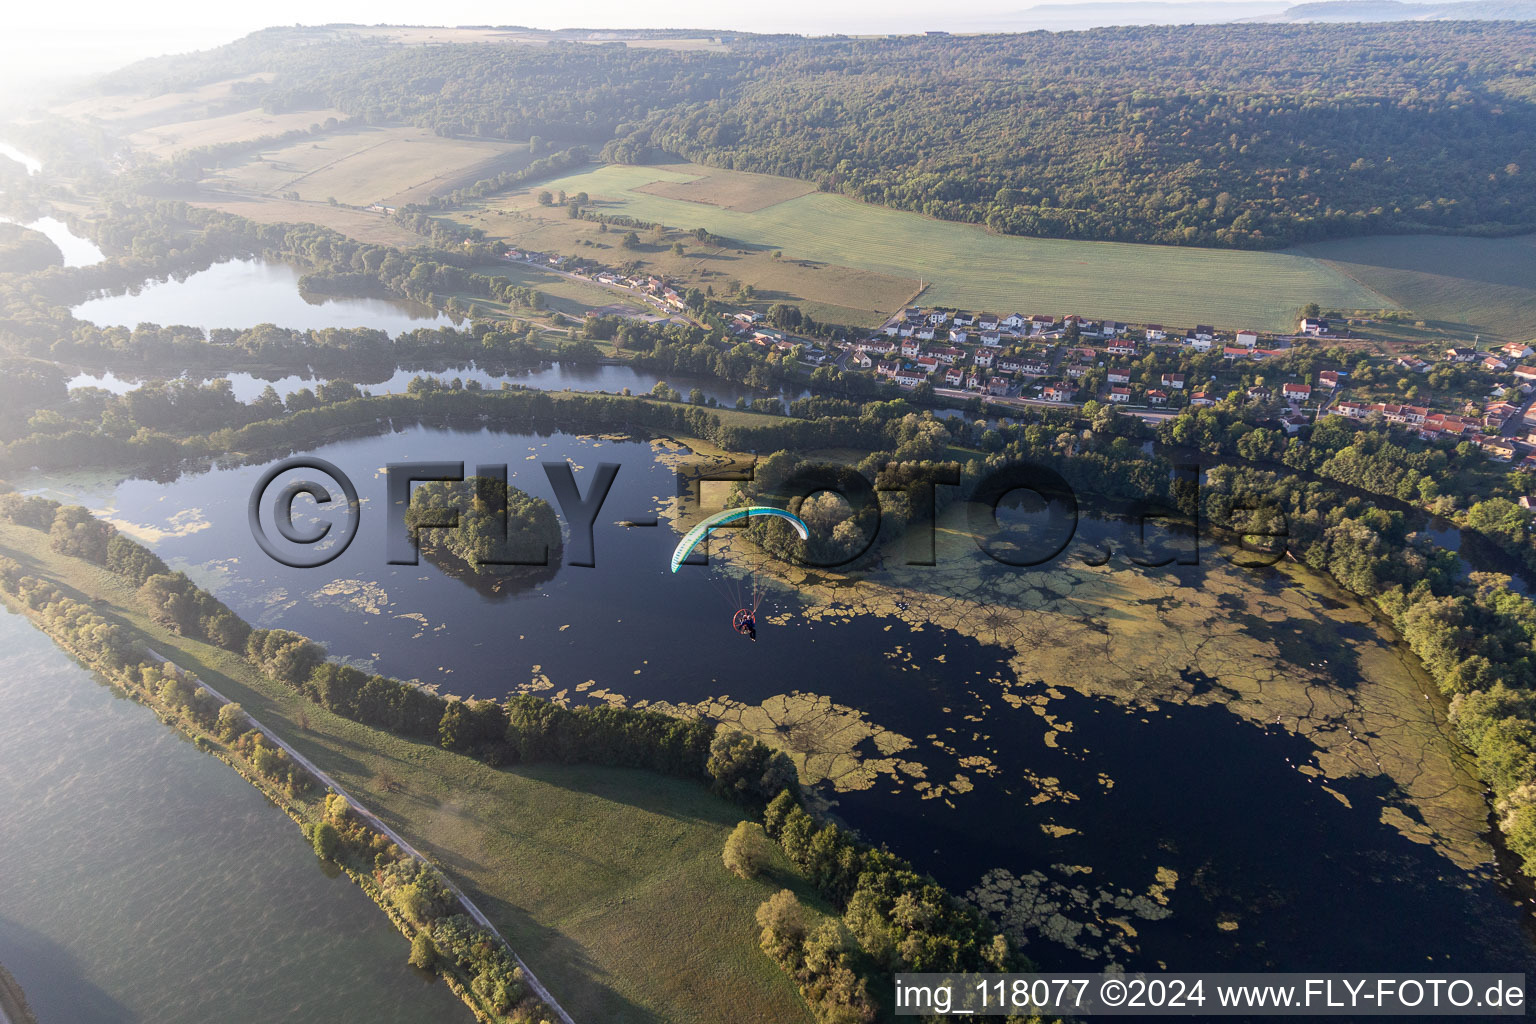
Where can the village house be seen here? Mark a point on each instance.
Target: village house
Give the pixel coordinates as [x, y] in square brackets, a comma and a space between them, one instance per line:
[1496, 415]
[1296, 392]
[861, 360]
[1413, 364]
[1352, 410]
[1198, 344]
[1205, 332]
[1041, 323]
[1156, 397]
[998, 385]
[1460, 354]
[1313, 326]
[992, 339]
[984, 357]
[1248, 339]
[1172, 380]
[924, 333]
[1155, 332]
[905, 331]
[1121, 347]
[974, 382]
[1202, 398]
[954, 376]
[937, 316]
[1078, 370]
[887, 369]
[1330, 379]
[1056, 393]
[1494, 364]
[986, 322]
[1119, 376]
[909, 379]
[926, 363]
[1013, 321]
[959, 337]
[1518, 350]
[1500, 450]
[1527, 465]
[1119, 395]
[964, 319]
[1230, 354]
[1525, 373]
[1437, 426]
[947, 354]
[911, 348]
[1260, 393]
[1412, 415]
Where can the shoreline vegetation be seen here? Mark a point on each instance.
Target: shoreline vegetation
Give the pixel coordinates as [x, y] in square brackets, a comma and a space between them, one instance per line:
[892, 919]
[13, 1001]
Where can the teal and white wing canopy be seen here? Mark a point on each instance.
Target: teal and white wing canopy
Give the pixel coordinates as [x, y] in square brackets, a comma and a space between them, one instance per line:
[691, 540]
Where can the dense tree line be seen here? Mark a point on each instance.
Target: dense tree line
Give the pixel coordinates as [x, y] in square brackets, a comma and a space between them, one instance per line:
[1234, 135]
[891, 919]
[23, 250]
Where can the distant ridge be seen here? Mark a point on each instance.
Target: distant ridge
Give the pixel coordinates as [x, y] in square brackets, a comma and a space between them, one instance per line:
[1103, 13]
[1397, 10]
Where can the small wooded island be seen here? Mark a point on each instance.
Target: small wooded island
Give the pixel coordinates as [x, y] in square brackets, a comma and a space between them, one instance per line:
[484, 530]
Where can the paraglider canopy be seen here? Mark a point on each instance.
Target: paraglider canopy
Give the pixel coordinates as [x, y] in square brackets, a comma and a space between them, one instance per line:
[691, 539]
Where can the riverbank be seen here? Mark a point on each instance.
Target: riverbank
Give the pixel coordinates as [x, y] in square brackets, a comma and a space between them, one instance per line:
[13, 1002]
[608, 881]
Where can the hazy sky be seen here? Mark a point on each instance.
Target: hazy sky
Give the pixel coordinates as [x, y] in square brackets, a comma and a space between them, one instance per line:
[54, 40]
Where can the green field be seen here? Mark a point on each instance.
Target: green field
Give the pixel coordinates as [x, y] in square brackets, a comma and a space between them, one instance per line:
[968, 267]
[1483, 285]
[608, 882]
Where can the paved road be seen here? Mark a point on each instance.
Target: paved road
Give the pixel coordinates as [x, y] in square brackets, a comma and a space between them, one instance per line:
[373, 819]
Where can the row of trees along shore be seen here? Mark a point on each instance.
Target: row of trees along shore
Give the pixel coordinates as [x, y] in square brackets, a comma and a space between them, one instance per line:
[893, 918]
[414, 895]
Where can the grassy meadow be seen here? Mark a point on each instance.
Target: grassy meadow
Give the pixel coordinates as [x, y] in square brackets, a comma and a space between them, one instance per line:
[366, 165]
[607, 881]
[959, 264]
[1470, 285]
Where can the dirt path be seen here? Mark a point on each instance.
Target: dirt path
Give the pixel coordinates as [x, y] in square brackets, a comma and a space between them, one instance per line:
[363, 812]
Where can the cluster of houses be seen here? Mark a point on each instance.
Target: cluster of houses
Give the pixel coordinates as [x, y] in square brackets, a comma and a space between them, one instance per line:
[1483, 427]
[965, 350]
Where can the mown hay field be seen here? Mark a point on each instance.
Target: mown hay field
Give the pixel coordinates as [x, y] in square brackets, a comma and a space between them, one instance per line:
[372, 165]
[1472, 285]
[967, 266]
[245, 126]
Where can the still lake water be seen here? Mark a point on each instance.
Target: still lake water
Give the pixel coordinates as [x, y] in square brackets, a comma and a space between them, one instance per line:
[244, 293]
[146, 882]
[1206, 837]
[31, 163]
[612, 378]
[77, 251]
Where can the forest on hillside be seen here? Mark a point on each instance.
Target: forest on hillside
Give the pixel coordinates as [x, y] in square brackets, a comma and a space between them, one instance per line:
[1252, 136]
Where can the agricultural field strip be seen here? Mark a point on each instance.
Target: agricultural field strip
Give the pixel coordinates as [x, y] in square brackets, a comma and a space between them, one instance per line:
[968, 267]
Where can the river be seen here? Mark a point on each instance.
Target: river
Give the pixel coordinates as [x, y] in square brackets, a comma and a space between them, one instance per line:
[1195, 766]
[147, 882]
[31, 163]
